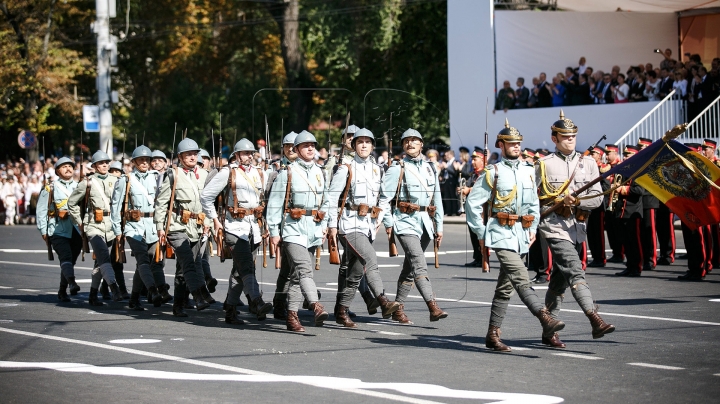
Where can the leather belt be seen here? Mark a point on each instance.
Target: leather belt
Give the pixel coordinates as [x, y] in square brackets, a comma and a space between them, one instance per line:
[181, 211]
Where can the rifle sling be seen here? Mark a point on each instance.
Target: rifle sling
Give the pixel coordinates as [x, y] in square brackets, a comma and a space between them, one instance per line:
[345, 191]
[488, 211]
[174, 179]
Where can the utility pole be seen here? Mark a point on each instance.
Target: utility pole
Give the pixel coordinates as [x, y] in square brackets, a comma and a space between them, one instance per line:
[106, 58]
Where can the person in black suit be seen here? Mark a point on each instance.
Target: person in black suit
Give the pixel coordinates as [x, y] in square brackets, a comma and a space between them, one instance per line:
[522, 94]
[581, 92]
[629, 210]
[543, 92]
[666, 83]
[604, 93]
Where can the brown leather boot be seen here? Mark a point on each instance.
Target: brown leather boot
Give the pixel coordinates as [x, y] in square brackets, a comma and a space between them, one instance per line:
[436, 312]
[293, 322]
[341, 316]
[549, 324]
[371, 303]
[599, 327]
[388, 307]
[320, 313]
[492, 340]
[279, 309]
[399, 316]
[553, 341]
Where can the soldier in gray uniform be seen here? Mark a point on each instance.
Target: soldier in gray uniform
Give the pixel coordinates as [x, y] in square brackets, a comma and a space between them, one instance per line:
[357, 186]
[296, 214]
[188, 226]
[134, 198]
[281, 288]
[509, 187]
[53, 221]
[116, 170]
[159, 161]
[244, 205]
[207, 164]
[97, 190]
[416, 218]
[557, 176]
[346, 152]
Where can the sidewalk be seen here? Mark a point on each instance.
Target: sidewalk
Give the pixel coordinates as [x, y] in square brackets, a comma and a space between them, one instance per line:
[462, 220]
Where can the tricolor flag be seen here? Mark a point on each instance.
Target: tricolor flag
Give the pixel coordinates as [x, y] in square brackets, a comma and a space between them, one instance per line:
[684, 180]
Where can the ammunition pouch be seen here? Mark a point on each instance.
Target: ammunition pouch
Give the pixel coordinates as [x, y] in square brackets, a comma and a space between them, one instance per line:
[99, 214]
[430, 210]
[564, 211]
[63, 214]
[297, 213]
[185, 215]
[362, 209]
[506, 219]
[318, 215]
[258, 212]
[408, 208]
[375, 212]
[527, 221]
[133, 215]
[581, 215]
[239, 213]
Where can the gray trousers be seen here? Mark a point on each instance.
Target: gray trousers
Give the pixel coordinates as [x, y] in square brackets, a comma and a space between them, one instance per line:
[188, 268]
[147, 271]
[363, 286]
[242, 276]
[68, 250]
[414, 268]
[567, 271]
[206, 260]
[283, 280]
[359, 261]
[301, 284]
[103, 266]
[513, 275]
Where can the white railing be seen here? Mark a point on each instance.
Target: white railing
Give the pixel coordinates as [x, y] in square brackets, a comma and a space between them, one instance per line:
[705, 125]
[667, 113]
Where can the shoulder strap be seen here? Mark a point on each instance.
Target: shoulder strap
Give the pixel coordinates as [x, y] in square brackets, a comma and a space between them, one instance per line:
[231, 179]
[288, 186]
[493, 192]
[126, 201]
[432, 197]
[345, 191]
[401, 179]
[172, 198]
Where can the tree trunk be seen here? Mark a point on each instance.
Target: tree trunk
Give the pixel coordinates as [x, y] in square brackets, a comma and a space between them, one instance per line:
[301, 103]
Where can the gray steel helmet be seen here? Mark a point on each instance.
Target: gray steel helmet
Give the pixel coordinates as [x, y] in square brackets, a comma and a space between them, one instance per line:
[141, 151]
[204, 154]
[350, 129]
[363, 133]
[244, 145]
[64, 160]
[157, 154]
[304, 137]
[290, 138]
[116, 165]
[411, 133]
[100, 156]
[187, 145]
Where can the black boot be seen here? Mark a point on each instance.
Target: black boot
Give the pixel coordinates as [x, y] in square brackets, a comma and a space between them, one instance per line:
[253, 308]
[279, 309]
[164, 294]
[156, 298]
[211, 283]
[206, 294]
[104, 291]
[116, 295]
[74, 288]
[200, 302]
[231, 316]
[63, 296]
[93, 298]
[262, 308]
[124, 292]
[134, 302]
[179, 303]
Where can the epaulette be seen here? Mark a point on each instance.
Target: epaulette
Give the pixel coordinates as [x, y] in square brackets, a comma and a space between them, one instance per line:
[548, 157]
[604, 168]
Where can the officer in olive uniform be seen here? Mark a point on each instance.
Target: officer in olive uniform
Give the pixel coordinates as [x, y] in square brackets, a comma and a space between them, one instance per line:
[508, 186]
[188, 226]
[628, 212]
[97, 190]
[244, 205]
[558, 175]
[357, 186]
[53, 221]
[416, 218]
[134, 199]
[296, 214]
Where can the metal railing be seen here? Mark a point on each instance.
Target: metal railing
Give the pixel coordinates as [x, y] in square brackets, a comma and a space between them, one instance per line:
[667, 113]
[705, 125]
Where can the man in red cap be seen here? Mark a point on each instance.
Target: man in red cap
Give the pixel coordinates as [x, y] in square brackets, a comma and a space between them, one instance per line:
[629, 211]
[612, 155]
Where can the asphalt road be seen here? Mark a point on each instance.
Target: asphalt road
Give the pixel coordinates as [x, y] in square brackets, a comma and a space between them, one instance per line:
[663, 351]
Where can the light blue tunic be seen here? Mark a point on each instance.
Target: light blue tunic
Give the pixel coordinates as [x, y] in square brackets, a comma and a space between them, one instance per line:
[143, 187]
[55, 226]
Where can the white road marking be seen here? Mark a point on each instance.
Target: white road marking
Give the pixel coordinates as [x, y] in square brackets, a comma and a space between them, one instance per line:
[539, 287]
[388, 332]
[715, 300]
[6, 321]
[6, 287]
[83, 280]
[520, 348]
[8, 304]
[331, 284]
[29, 290]
[441, 339]
[332, 383]
[388, 265]
[134, 341]
[40, 265]
[572, 355]
[18, 250]
[651, 365]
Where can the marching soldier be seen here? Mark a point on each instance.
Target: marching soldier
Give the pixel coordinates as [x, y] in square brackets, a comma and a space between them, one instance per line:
[206, 162]
[347, 153]
[296, 215]
[357, 186]
[115, 170]
[509, 189]
[96, 191]
[416, 219]
[134, 199]
[244, 206]
[159, 161]
[478, 165]
[696, 245]
[179, 203]
[628, 211]
[612, 224]
[56, 228]
[596, 222]
[648, 231]
[558, 176]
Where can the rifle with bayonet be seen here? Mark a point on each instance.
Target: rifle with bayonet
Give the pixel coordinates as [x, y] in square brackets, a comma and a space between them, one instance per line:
[86, 203]
[488, 206]
[392, 246]
[262, 222]
[332, 241]
[46, 185]
[120, 243]
[163, 248]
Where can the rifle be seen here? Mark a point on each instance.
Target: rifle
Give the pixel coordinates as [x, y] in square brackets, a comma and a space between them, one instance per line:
[220, 159]
[51, 256]
[485, 250]
[392, 247]
[278, 250]
[169, 252]
[558, 204]
[85, 243]
[158, 246]
[120, 244]
[261, 221]
[332, 241]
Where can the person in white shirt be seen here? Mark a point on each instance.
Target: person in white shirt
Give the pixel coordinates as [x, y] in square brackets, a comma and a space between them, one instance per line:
[680, 85]
[652, 86]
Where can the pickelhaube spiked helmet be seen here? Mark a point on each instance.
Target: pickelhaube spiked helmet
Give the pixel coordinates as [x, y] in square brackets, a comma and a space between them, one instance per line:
[564, 125]
[508, 134]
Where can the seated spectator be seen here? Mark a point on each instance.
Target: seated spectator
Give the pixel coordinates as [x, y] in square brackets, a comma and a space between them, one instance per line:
[505, 98]
[621, 92]
[652, 86]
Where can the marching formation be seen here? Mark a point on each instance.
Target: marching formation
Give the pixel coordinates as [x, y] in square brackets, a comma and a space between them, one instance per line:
[290, 208]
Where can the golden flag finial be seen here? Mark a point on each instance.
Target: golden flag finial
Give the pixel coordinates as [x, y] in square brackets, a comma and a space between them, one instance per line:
[507, 124]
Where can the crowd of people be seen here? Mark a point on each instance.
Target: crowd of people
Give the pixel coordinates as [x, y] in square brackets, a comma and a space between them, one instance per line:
[583, 85]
